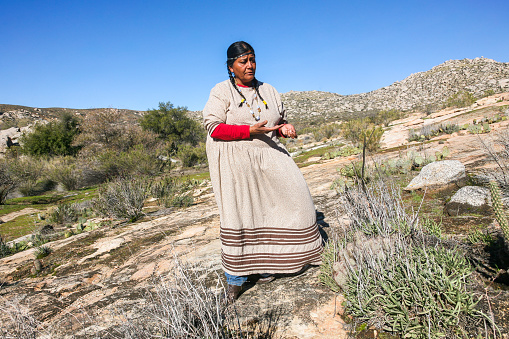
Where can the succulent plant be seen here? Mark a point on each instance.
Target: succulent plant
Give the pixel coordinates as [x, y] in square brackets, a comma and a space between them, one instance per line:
[486, 127]
[445, 151]
[500, 214]
[418, 160]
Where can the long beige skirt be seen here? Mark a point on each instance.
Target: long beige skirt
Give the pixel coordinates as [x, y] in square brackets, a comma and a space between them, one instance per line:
[268, 219]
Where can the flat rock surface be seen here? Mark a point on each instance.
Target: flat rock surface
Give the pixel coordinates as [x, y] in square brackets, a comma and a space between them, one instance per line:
[95, 274]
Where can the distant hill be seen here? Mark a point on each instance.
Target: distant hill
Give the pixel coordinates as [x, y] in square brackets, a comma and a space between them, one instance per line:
[17, 115]
[419, 91]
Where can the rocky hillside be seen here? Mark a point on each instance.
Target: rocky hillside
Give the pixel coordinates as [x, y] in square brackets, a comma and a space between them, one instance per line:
[419, 90]
[19, 116]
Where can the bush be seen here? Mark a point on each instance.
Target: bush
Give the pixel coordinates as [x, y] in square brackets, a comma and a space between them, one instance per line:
[53, 138]
[191, 156]
[26, 171]
[109, 164]
[395, 275]
[123, 198]
[460, 99]
[429, 131]
[326, 132]
[385, 117]
[182, 306]
[4, 249]
[359, 130]
[64, 170]
[174, 192]
[173, 125]
[7, 181]
[42, 251]
[107, 130]
[65, 214]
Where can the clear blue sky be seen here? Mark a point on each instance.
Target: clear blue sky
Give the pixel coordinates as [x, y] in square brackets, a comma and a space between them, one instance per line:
[134, 54]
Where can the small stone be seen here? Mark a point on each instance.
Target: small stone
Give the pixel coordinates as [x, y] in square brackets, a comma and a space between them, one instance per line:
[469, 199]
[37, 265]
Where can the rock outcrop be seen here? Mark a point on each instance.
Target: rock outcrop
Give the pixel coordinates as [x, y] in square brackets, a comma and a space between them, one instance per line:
[469, 199]
[439, 175]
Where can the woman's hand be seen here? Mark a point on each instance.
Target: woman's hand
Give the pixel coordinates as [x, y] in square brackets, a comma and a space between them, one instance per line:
[259, 128]
[289, 131]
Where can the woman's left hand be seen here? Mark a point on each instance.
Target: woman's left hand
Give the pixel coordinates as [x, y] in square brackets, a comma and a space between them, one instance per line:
[289, 131]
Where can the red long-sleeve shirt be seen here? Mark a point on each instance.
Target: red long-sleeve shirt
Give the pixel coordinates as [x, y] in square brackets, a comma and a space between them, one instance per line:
[234, 132]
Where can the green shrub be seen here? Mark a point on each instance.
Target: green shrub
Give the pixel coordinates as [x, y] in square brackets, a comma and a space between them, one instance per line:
[4, 249]
[173, 125]
[27, 171]
[174, 192]
[385, 117]
[123, 198]
[477, 236]
[360, 130]
[325, 132]
[396, 275]
[66, 214]
[64, 170]
[109, 164]
[191, 156]
[42, 251]
[429, 131]
[489, 92]
[7, 181]
[460, 99]
[53, 138]
[431, 227]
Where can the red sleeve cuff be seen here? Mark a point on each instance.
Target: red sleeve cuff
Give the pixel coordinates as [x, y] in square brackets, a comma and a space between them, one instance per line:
[280, 134]
[231, 132]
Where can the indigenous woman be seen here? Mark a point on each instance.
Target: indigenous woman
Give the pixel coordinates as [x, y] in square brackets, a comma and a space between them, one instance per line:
[268, 219]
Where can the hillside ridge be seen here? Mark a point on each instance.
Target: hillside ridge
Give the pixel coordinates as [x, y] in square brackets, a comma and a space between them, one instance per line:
[422, 91]
[419, 91]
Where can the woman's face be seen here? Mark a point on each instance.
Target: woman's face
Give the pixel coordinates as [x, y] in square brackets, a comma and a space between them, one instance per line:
[244, 69]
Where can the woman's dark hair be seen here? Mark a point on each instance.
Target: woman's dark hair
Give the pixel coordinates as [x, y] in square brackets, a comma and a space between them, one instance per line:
[234, 51]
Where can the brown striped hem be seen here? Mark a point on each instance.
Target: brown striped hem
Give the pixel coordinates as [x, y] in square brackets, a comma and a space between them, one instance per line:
[266, 236]
[270, 263]
[268, 229]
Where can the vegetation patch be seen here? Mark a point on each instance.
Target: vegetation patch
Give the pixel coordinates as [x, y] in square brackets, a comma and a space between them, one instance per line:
[319, 152]
[398, 274]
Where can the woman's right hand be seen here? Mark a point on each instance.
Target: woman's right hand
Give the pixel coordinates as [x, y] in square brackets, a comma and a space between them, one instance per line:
[259, 128]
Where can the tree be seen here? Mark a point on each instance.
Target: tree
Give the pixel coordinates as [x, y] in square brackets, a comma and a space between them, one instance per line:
[174, 125]
[362, 131]
[53, 138]
[7, 182]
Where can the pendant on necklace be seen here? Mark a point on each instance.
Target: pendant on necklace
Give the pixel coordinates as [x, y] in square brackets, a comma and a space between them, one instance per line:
[257, 118]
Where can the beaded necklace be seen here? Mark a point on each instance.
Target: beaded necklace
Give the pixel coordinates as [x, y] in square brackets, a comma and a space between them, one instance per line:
[256, 117]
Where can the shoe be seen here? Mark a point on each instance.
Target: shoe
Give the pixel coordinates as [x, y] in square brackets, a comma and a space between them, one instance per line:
[265, 280]
[233, 292]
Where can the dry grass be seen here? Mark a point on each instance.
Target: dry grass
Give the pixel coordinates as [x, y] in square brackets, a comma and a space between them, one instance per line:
[179, 305]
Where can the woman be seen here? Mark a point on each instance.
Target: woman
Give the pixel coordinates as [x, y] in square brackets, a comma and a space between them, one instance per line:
[268, 220]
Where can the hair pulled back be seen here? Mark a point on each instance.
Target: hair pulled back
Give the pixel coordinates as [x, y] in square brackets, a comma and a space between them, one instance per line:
[234, 51]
